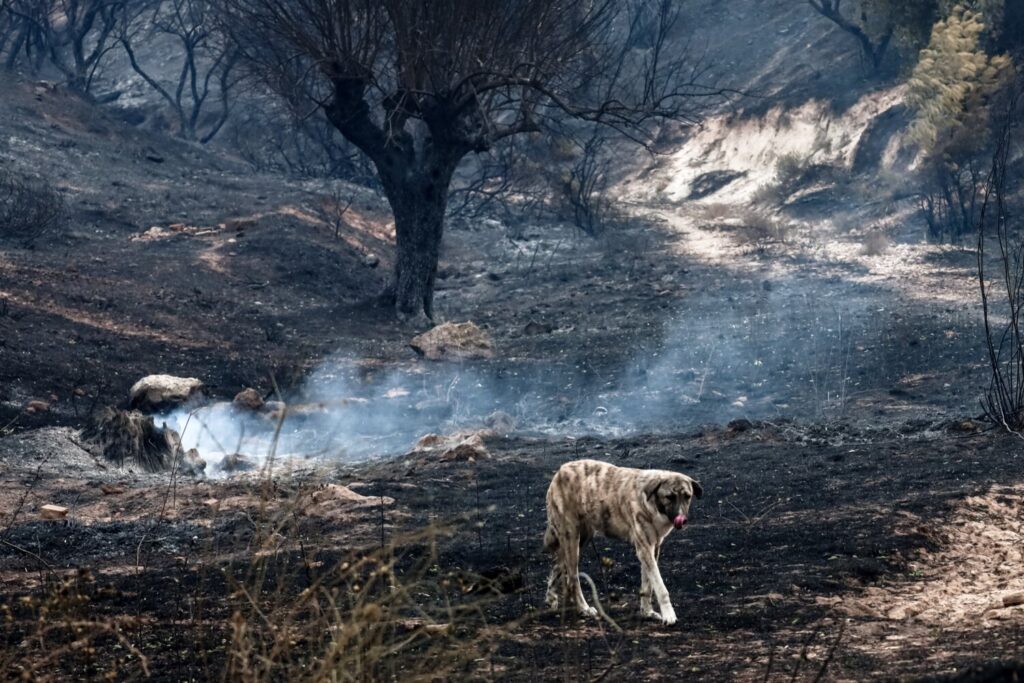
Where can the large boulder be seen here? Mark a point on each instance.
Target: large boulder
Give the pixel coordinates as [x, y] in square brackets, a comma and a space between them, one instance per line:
[454, 341]
[159, 392]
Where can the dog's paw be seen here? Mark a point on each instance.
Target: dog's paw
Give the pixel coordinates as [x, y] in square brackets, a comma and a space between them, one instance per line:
[668, 618]
[588, 611]
[650, 614]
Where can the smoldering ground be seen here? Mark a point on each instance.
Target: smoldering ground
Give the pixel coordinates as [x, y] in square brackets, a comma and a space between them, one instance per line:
[793, 347]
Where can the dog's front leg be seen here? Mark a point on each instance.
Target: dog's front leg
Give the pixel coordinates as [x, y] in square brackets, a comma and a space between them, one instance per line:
[649, 569]
[646, 590]
[645, 596]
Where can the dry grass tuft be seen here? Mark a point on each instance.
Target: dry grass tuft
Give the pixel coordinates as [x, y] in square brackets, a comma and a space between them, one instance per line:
[876, 243]
[384, 614]
[760, 229]
[284, 605]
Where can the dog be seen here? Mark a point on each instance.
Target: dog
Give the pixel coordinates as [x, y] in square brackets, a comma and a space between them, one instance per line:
[588, 497]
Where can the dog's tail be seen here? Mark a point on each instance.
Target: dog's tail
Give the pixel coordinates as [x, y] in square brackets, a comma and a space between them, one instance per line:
[597, 602]
[550, 539]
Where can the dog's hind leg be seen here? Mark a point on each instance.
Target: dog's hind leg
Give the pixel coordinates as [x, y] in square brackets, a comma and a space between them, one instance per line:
[572, 567]
[556, 584]
[556, 580]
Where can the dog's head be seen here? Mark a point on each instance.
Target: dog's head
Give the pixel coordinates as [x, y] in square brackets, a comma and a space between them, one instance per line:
[671, 493]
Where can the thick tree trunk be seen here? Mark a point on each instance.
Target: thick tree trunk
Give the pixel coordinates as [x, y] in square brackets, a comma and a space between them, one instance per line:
[418, 199]
[418, 232]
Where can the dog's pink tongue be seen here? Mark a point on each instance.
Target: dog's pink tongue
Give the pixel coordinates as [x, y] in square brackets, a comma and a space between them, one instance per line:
[679, 521]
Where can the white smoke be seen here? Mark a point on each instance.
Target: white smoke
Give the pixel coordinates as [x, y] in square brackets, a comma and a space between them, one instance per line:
[754, 359]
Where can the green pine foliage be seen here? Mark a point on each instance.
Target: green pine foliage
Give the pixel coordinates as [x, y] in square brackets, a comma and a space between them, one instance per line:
[952, 84]
[950, 90]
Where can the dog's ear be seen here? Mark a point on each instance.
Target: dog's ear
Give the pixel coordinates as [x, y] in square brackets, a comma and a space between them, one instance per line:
[652, 487]
[698, 490]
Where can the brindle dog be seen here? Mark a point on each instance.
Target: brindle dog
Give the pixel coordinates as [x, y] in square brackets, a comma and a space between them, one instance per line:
[588, 497]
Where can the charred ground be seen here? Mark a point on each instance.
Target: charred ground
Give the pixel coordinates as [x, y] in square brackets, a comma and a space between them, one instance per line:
[821, 384]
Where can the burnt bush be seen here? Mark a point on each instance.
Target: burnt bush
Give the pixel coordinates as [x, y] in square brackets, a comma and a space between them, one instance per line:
[1002, 292]
[583, 192]
[30, 208]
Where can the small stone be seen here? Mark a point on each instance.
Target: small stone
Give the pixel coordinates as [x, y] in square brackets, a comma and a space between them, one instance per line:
[428, 442]
[533, 327]
[965, 426]
[470, 450]
[192, 463]
[152, 234]
[740, 425]
[37, 406]
[274, 410]
[371, 260]
[237, 462]
[53, 512]
[239, 224]
[343, 494]
[111, 489]
[1012, 599]
[501, 423]
[248, 399]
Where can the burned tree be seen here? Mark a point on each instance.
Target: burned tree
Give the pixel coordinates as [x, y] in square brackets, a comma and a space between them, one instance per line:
[73, 35]
[208, 62]
[873, 48]
[877, 24]
[417, 85]
[1002, 298]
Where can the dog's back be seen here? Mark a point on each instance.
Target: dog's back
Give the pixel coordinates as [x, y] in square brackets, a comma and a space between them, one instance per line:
[585, 494]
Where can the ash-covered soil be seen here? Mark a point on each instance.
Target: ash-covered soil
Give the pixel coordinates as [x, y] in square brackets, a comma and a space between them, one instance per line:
[833, 550]
[858, 523]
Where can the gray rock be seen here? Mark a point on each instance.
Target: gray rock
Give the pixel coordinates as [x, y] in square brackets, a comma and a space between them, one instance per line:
[160, 392]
